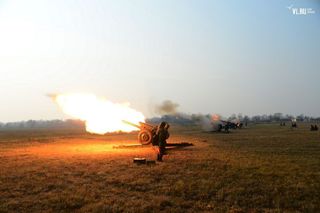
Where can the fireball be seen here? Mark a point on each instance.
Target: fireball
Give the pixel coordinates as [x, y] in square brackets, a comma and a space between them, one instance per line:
[215, 117]
[100, 115]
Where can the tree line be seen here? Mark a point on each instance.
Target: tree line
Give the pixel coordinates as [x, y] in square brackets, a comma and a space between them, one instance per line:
[43, 124]
[180, 118]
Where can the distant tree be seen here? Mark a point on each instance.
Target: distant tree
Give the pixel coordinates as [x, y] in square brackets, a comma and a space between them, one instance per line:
[246, 118]
[256, 118]
[277, 116]
[42, 124]
[300, 117]
[240, 116]
[232, 117]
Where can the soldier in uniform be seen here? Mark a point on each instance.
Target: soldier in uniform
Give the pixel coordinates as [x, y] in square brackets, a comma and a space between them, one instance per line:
[163, 135]
[312, 128]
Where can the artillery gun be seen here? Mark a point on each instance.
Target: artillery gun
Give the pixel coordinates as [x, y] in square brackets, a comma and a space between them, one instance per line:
[146, 133]
[226, 125]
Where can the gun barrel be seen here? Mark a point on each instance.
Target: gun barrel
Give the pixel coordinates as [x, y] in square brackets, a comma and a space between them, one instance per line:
[131, 124]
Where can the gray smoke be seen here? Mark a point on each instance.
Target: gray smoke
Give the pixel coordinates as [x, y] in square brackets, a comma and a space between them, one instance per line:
[169, 112]
[207, 122]
[167, 107]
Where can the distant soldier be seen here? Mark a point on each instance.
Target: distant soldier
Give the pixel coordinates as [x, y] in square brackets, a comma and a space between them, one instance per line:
[294, 124]
[312, 128]
[226, 128]
[163, 135]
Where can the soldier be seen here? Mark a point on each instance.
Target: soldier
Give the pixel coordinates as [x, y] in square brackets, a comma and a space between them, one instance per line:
[312, 128]
[163, 135]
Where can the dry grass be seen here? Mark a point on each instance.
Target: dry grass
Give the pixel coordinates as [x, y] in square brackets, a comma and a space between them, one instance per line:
[262, 168]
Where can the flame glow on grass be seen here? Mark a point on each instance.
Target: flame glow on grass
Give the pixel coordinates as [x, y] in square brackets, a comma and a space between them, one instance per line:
[100, 115]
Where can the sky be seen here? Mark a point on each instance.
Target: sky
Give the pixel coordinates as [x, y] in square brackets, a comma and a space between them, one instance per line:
[250, 57]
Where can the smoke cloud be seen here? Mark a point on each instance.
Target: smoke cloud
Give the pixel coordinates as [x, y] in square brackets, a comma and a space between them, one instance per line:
[169, 112]
[167, 107]
[205, 123]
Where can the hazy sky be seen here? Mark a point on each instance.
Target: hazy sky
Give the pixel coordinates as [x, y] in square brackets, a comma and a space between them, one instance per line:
[221, 57]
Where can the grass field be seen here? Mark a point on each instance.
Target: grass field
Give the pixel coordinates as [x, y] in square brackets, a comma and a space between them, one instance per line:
[262, 168]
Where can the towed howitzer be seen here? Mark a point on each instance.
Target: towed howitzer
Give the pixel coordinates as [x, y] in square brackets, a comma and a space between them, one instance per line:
[226, 125]
[146, 133]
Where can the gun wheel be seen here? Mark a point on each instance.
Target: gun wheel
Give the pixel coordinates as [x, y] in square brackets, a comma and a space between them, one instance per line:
[145, 137]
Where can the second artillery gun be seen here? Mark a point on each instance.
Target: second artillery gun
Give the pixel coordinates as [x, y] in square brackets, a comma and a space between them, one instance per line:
[146, 133]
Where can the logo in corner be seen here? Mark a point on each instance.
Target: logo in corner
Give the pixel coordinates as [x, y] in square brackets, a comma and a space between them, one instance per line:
[301, 10]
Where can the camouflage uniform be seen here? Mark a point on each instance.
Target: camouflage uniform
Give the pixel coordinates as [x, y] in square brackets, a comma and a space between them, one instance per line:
[163, 135]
